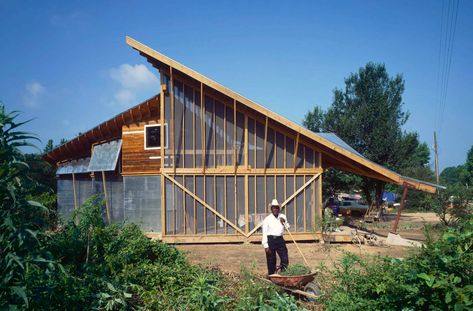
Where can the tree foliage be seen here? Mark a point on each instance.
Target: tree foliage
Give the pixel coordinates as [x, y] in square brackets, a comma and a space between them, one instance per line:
[368, 114]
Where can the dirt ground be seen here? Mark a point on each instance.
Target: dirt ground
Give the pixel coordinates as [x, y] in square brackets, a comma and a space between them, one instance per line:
[230, 257]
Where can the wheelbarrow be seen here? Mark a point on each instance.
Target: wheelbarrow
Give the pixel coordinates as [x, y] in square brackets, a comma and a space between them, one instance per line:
[298, 284]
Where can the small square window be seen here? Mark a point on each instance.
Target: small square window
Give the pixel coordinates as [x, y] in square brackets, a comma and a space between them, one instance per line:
[153, 136]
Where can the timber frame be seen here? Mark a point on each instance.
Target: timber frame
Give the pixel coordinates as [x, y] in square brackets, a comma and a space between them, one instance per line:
[222, 159]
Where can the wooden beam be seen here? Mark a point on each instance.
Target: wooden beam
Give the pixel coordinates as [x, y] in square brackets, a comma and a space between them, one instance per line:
[202, 119]
[288, 199]
[172, 122]
[204, 203]
[107, 207]
[265, 162]
[401, 207]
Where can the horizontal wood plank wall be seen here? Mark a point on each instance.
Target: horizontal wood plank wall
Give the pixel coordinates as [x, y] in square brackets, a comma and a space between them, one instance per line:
[135, 159]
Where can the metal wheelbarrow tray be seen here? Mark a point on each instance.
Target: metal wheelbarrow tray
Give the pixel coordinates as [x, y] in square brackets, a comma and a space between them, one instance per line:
[293, 281]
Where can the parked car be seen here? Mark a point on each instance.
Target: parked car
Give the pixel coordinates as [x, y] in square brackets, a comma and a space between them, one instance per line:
[353, 206]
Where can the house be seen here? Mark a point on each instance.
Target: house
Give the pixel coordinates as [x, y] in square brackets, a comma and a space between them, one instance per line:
[199, 162]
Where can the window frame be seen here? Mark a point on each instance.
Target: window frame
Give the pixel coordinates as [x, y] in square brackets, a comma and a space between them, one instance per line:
[165, 136]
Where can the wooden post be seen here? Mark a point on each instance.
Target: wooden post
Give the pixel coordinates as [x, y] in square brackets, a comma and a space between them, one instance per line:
[107, 207]
[398, 216]
[74, 190]
[296, 150]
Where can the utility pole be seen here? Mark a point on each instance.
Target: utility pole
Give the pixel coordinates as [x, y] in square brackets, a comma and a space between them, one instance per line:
[436, 157]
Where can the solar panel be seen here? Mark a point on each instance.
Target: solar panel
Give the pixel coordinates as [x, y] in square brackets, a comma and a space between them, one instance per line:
[105, 156]
[74, 166]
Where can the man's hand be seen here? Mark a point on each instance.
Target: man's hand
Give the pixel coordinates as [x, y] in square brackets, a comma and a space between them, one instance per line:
[267, 250]
[282, 220]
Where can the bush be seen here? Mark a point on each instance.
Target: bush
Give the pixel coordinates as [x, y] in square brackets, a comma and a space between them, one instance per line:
[438, 277]
[296, 269]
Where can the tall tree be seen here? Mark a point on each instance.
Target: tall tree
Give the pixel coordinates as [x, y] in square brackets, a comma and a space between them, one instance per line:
[368, 115]
[314, 120]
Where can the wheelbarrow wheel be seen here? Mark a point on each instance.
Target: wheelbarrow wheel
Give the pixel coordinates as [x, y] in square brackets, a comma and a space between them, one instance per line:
[313, 289]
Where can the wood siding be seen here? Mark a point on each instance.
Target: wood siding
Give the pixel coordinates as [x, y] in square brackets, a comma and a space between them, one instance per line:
[135, 159]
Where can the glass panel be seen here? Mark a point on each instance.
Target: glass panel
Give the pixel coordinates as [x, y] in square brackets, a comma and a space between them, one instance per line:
[189, 126]
[210, 199]
[261, 207]
[240, 201]
[270, 149]
[317, 162]
[178, 123]
[289, 152]
[240, 136]
[198, 130]
[279, 150]
[209, 132]
[251, 143]
[260, 162]
[229, 135]
[220, 201]
[300, 205]
[251, 202]
[290, 206]
[309, 157]
[200, 209]
[219, 135]
[105, 156]
[230, 195]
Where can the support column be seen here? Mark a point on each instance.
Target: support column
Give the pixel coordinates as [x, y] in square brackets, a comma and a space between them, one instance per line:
[398, 216]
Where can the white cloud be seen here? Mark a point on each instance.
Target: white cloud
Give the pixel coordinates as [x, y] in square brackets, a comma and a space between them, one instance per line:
[33, 91]
[133, 80]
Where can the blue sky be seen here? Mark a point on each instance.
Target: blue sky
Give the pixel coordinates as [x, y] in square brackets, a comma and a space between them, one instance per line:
[66, 64]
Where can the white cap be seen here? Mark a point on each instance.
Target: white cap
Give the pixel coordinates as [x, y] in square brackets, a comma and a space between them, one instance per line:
[274, 202]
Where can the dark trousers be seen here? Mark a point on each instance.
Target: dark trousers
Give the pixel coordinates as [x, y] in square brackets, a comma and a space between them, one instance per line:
[276, 245]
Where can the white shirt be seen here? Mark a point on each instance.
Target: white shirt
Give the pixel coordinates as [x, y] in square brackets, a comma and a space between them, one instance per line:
[273, 226]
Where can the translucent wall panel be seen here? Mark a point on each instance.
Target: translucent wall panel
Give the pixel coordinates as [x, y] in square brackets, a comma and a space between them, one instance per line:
[289, 152]
[198, 130]
[200, 211]
[189, 207]
[142, 201]
[299, 205]
[65, 197]
[169, 203]
[289, 210]
[115, 195]
[280, 190]
[270, 191]
[189, 131]
[251, 142]
[209, 132]
[84, 188]
[261, 208]
[179, 207]
[317, 159]
[240, 202]
[260, 161]
[279, 150]
[309, 157]
[270, 149]
[251, 202]
[309, 206]
[220, 201]
[219, 133]
[230, 212]
[318, 200]
[178, 124]
[210, 200]
[240, 138]
[229, 128]
[300, 156]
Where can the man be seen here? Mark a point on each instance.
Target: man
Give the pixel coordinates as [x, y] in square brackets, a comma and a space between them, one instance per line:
[273, 241]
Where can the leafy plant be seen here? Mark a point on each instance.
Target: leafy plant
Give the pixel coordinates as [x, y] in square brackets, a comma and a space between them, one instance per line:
[295, 269]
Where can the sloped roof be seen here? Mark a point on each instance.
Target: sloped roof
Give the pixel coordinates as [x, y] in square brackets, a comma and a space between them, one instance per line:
[340, 154]
[81, 145]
